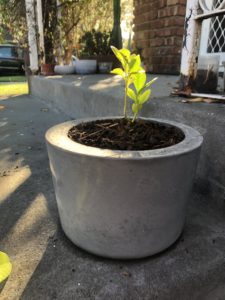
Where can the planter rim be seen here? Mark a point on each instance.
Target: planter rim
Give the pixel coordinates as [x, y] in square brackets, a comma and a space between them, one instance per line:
[57, 137]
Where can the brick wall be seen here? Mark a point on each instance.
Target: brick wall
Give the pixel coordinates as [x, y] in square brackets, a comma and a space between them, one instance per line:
[159, 27]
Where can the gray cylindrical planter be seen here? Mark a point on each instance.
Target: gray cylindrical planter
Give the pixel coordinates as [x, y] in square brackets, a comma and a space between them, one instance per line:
[122, 204]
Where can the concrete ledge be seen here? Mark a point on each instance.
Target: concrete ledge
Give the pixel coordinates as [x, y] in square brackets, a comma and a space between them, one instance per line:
[100, 95]
[90, 95]
[78, 96]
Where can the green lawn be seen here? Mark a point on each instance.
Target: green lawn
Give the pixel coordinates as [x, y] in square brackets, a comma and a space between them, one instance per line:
[13, 88]
[13, 78]
[13, 85]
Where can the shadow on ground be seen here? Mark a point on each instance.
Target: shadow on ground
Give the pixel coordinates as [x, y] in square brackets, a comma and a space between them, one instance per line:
[188, 269]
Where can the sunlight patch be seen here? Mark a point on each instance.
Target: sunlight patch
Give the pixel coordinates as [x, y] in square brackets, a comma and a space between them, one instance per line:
[9, 184]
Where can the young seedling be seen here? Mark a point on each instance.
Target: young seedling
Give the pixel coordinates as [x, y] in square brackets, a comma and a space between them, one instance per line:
[133, 74]
[141, 92]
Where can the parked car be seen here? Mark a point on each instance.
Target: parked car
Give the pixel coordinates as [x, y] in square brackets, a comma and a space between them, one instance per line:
[11, 59]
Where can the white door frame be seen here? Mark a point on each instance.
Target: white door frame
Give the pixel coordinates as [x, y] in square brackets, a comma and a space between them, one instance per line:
[191, 39]
[32, 39]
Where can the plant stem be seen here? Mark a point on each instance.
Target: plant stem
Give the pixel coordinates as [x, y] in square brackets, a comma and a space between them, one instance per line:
[134, 118]
[125, 100]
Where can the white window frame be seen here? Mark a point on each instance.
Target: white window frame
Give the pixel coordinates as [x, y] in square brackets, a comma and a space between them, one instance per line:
[205, 31]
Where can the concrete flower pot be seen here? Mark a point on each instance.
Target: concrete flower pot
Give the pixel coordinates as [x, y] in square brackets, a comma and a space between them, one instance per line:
[63, 70]
[86, 66]
[122, 204]
[104, 67]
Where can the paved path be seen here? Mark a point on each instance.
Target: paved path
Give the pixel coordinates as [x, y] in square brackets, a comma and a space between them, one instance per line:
[46, 265]
[28, 214]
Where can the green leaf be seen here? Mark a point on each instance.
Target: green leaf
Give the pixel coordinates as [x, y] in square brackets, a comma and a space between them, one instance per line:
[5, 266]
[131, 94]
[118, 71]
[126, 54]
[135, 63]
[138, 72]
[148, 84]
[133, 73]
[142, 98]
[118, 55]
[151, 82]
[139, 81]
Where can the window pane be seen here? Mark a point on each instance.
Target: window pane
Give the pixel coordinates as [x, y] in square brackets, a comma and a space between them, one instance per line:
[5, 52]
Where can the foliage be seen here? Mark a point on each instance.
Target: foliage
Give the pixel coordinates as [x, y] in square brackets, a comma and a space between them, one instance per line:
[132, 73]
[13, 78]
[65, 22]
[50, 25]
[5, 266]
[68, 18]
[95, 43]
[96, 14]
[79, 17]
[13, 20]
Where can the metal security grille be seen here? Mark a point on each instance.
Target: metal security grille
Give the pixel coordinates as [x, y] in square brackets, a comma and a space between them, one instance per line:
[216, 42]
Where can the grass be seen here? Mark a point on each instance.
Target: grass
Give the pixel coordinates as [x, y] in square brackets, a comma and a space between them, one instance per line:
[13, 85]
[18, 78]
[16, 88]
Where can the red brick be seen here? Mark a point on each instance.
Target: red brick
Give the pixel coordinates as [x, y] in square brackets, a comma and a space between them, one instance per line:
[159, 26]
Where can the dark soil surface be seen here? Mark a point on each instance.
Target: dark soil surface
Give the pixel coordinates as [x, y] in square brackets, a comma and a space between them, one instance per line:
[122, 134]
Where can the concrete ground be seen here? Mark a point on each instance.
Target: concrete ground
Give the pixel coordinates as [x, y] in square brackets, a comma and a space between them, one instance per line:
[46, 265]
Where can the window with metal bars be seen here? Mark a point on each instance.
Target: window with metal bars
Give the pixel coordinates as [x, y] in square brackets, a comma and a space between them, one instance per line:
[216, 41]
